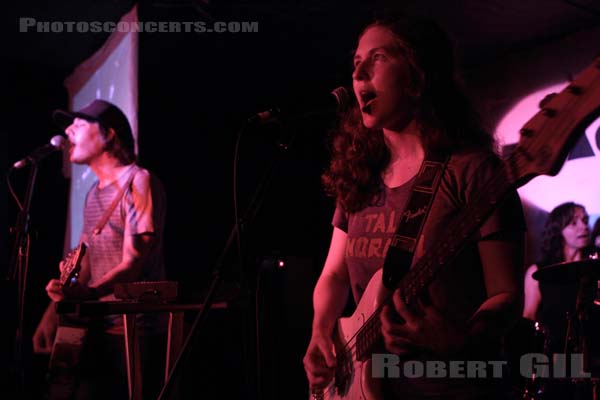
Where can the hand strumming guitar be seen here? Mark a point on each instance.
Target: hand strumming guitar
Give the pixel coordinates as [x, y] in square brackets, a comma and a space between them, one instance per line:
[75, 291]
[319, 361]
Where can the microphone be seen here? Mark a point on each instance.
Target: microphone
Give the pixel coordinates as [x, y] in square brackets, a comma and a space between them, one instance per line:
[56, 143]
[339, 99]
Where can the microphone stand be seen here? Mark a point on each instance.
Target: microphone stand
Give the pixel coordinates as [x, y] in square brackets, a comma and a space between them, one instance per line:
[248, 217]
[18, 271]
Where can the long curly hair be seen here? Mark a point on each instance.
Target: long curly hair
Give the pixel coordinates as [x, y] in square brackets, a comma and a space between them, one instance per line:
[443, 113]
[595, 232]
[553, 243]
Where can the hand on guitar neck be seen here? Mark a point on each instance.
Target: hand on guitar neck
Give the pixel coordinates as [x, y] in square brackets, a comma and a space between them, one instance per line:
[407, 330]
[68, 285]
[76, 291]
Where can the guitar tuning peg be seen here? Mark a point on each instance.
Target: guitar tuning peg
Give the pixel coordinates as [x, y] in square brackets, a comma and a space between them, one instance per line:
[526, 132]
[546, 99]
[577, 90]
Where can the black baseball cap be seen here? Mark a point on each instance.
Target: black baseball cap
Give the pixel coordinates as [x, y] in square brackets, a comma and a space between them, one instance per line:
[103, 112]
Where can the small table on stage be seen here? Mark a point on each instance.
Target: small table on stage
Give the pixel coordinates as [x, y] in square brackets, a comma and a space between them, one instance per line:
[129, 309]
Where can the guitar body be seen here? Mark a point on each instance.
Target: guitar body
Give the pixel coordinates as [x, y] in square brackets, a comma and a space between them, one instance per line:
[64, 360]
[69, 338]
[353, 378]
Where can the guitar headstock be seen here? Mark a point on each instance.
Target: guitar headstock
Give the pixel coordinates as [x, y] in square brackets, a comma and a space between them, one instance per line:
[72, 265]
[547, 138]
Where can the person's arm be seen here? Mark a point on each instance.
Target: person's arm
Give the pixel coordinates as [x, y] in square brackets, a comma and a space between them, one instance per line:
[502, 262]
[139, 235]
[332, 288]
[44, 334]
[533, 296]
[135, 250]
[501, 251]
[329, 299]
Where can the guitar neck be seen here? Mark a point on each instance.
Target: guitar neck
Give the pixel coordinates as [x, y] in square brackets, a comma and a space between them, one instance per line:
[72, 264]
[545, 141]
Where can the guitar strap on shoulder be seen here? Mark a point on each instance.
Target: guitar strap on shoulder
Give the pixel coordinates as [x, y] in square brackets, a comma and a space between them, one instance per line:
[98, 228]
[402, 247]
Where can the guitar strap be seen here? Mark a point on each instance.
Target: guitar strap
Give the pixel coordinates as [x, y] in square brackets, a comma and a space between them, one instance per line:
[402, 247]
[105, 217]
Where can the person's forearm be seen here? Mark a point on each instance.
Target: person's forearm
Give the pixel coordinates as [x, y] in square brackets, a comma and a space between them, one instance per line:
[135, 250]
[50, 311]
[124, 272]
[329, 299]
[533, 297]
[493, 319]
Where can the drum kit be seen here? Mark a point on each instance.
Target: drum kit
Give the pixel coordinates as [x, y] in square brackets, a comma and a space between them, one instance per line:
[578, 370]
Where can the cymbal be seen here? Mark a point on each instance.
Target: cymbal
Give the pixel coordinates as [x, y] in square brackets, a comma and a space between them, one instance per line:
[568, 272]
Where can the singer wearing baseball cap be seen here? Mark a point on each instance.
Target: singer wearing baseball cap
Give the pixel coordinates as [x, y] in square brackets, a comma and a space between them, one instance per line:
[124, 215]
